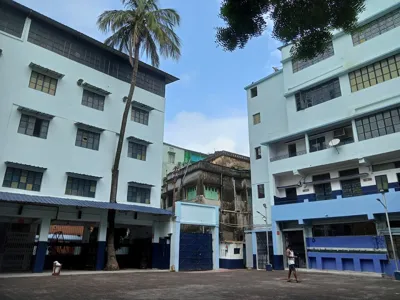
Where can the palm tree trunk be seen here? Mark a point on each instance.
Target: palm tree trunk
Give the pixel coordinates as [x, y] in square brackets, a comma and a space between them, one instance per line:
[112, 263]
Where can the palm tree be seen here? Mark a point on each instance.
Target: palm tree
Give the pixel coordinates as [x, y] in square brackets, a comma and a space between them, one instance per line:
[141, 26]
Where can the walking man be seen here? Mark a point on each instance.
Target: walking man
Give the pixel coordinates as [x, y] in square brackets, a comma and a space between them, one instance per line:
[291, 263]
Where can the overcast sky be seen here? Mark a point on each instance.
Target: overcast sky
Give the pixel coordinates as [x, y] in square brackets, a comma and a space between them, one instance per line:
[206, 110]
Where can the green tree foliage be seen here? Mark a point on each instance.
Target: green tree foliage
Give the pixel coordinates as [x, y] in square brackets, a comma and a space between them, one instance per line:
[307, 24]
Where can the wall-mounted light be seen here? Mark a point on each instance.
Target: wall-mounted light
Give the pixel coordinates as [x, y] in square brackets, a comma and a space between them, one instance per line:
[79, 82]
[125, 99]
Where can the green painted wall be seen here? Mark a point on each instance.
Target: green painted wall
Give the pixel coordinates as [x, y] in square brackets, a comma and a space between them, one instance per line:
[211, 193]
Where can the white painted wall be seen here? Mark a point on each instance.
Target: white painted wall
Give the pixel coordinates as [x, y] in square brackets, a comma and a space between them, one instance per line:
[58, 152]
[179, 158]
[226, 250]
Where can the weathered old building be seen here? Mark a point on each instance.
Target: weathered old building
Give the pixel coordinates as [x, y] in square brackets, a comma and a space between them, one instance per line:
[221, 179]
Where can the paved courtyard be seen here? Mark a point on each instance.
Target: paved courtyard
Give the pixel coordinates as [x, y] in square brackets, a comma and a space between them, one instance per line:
[239, 284]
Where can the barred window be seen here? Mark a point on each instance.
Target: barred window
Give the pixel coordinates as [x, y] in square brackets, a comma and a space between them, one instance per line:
[258, 152]
[140, 116]
[33, 126]
[350, 187]
[22, 179]
[137, 151]
[261, 191]
[319, 94]
[43, 83]
[138, 195]
[256, 118]
[376, 27]
[87, 139]
[11, 21]
[378, 72]
[93, 100]
[317, 144]
[299, 65]
[378, 124]
[81, 187]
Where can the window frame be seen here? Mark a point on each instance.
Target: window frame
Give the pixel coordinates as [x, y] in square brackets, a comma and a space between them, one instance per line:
[258, 152]
[32, 178]
[256, 118]
[89, 135]
[171, 157]
[83, 187]
[143, 194]
[298, 65]
[253, 92]
[319, 145]
[33, 83]
[260, 191]
[27, 120]
[140, 116]
[96, 99]
[140, 155]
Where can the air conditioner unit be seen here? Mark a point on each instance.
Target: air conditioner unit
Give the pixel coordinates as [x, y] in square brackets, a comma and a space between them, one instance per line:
[339, 133]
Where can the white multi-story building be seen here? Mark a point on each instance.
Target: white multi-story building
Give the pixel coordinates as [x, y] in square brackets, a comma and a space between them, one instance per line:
[61, 103]
[324, 133]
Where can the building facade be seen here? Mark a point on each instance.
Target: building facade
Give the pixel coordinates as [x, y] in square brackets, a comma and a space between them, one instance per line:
[324, 135]
[221, 180]
[62, 98]
[174, 156]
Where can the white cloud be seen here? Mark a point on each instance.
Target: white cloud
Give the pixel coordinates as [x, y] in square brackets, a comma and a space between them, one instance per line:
[198, 132]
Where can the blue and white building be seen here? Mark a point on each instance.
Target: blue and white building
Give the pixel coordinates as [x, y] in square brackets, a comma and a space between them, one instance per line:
[321, 196]
[62, 98]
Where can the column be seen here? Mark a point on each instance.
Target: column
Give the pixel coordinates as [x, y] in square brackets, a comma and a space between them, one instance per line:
[101, 242]
[254, 246]
[278, 246]
[307, 143]
[354, 127]
[307, 232]
[215, 245]
[175, 240]
[41, 248]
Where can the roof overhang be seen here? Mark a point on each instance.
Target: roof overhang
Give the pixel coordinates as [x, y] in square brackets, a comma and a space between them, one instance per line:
[93, 88]
[140, 185]
[142, 106]
[138, 141]
[84, 176]
[34, 113]
[55, 202]
[45, 71]
[25, 166]
[89, 127]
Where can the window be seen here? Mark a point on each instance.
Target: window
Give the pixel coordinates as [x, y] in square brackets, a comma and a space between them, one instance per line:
[87, 139]
[11, 21]
[376, 27]
[343, 229]
[137, 151]
[382, 183]
[93, 100]
[236, 250]
[378, 124]
[350, 187]
[171, 157]
[323, 191]
[211, 193]
[43, 83]
[138, 194]
[256, 118]
[291, 194]
[386, 166]
[140, 116]
[317, 144]
[22, 179]
[378, 72]
[253, 92]
[292, 150]
[258, 152]
[33, 126]
[191, 193]
[298, 65]
[261, 192]
[318, 94]
[81, 187]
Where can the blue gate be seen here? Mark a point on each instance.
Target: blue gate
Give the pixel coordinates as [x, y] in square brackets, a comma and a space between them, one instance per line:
[195, 252]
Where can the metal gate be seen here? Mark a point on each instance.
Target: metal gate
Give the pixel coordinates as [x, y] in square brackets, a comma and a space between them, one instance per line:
[262, 249]
[16, 247]
[195, 252]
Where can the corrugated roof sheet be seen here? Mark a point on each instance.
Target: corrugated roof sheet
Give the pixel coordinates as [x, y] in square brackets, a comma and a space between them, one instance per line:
[55, 201]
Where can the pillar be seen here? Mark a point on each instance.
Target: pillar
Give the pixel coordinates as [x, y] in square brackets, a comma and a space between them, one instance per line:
[354, 128]
[215, 245]
[41, 247]
[101, 242]
[278, 246]
[175, 240]
[307, 232]
[254, 246]
[307, 143]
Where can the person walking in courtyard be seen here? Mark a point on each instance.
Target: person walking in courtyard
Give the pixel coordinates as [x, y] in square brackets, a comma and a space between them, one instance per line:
[291, 263]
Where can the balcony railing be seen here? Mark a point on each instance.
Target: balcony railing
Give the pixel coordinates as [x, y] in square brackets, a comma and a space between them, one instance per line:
[287, 155]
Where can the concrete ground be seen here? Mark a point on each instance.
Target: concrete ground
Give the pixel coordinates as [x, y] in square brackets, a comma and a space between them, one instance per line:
[238, 284]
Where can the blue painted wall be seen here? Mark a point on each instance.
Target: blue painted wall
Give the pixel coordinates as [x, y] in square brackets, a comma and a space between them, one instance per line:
[231, 263]
[374, 242]
[161, 255]
[40, 256]
[101, 251]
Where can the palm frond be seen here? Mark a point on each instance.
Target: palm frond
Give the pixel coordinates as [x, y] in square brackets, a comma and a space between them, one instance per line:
[113, 20]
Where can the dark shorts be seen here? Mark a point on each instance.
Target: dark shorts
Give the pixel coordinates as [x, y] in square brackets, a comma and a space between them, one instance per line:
[292, 268]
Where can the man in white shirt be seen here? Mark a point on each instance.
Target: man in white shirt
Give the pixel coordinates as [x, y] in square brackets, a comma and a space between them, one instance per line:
[291, 263]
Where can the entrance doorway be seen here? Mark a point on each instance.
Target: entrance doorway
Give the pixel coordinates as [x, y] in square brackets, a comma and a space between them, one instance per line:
[296, 240]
